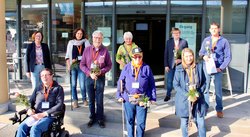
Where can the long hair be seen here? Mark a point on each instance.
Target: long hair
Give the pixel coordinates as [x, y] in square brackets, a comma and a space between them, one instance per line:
[184, 64]
[76, 30]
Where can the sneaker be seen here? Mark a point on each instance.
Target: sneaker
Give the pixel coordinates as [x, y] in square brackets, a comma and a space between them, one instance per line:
[101, 123]
[90, 123]
[220, 114]
[166, 99]
[75, 104]
[85, 103]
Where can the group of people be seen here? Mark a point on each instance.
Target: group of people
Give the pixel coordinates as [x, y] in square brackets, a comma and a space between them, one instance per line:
[136, 85]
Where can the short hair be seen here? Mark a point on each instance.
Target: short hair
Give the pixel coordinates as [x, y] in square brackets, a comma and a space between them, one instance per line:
[34, 35]
[97, 32]
[76, 30]
[49, 70]
[182, 58]
[128, 34]
[216, 24]
[175, 29]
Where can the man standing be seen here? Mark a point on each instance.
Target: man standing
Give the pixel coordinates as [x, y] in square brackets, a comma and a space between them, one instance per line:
[172, 58]
[218, 48]
[95, 63]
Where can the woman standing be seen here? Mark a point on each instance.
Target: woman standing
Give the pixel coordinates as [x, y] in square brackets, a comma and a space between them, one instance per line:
[136, 88]
[190, 83]
[73, 57]
[37, 58]
[124, 52]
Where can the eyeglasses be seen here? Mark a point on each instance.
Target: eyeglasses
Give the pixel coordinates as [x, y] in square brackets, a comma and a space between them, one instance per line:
[139, 57]
[45, 75]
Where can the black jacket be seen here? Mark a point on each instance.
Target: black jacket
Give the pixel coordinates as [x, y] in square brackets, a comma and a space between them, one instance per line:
[30, 57]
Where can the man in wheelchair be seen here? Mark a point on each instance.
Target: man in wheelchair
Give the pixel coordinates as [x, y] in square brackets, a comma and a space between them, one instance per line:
[45, 101]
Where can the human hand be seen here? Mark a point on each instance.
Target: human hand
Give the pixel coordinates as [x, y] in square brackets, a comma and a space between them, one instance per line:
[30, 112]
[218, 70]
[205, 58]
[177, 61]
[93, 76]
[152, 102]
[167, 69]
[120, 100]
[28, 74]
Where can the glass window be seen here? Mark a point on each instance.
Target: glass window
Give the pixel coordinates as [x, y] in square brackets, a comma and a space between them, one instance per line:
[229, 13]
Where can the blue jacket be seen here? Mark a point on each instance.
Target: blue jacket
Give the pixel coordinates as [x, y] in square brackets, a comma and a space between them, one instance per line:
[222, 51]
[145, 79]
[180, 84]
[169, 51]
[30, 57]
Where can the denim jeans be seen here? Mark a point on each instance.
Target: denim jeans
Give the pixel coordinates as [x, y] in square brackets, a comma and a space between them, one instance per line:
[132, 111]
[95, 95]
[217, 77]
[170, 78]
[199, 122]
[35, 76]
[78, 73]
[36, 130]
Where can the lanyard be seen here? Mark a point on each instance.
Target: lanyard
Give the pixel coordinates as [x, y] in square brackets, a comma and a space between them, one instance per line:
[94, 54]
[46, 92]
[79, 49]
[137, 69]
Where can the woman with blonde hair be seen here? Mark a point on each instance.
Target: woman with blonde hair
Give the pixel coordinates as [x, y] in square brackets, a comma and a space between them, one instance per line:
[189, 84]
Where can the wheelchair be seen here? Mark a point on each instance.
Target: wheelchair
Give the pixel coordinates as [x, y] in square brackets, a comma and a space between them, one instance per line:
[55, 128]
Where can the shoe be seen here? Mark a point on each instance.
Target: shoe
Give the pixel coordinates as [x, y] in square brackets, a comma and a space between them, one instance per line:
[101, 124]
[85, 103]
[90, 123]
[167, 98]
[75, 104]
[220, 114]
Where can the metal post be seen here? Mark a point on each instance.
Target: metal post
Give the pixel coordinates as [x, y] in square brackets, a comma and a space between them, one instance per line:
[19, 37]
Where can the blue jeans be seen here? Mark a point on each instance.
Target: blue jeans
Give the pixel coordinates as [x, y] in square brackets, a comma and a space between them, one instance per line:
[199, 122]
[35, 76]
[170, 78]
[95, 95]
[78, 73]
[132, 111]
[218, 89]
[36, 130]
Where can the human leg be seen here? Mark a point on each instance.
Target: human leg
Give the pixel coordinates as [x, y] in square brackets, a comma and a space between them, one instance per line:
[201, 125]
[40, 127]
[35, 76]
[23, 130]
[170, 77]
[184, 126]
[82, 79]
[141, 115]
[91, 95]
[130, 118]
[74, 75]
[218, 91]
[99, 97]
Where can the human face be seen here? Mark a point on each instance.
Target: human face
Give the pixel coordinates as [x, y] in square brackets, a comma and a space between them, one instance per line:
[79, 35]
[176, 34]
[97, 40]
[128, 40]
[188, 58]
[137, 59]
[46, 77]
[38, 38]
[214, 30]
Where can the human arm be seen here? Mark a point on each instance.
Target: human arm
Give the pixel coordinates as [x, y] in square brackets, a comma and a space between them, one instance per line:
[227, 56]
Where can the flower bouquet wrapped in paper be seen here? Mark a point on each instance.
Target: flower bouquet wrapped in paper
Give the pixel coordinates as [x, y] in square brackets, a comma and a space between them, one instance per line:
[22, 100]
[192, 94]
[144, 102]
[95, 69]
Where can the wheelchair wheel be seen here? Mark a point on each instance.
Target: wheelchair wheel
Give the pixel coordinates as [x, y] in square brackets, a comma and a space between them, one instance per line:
[64, 133]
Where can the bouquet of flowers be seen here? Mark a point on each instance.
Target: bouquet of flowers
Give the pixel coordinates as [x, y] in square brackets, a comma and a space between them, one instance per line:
[177, 54]
[74, 65]
[192, 94]
[209, 52]
[95, 69]
[22, 100]
[144, 102]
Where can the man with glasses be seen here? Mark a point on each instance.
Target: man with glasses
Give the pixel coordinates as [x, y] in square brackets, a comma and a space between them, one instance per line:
[172, 58]
[95, 63]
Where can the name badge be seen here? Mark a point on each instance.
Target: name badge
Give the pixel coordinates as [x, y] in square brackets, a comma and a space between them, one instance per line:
[135, 85]
[79, 57]
[45, 105]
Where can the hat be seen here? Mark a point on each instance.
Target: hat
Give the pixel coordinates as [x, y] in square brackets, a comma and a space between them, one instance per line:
[137, 51]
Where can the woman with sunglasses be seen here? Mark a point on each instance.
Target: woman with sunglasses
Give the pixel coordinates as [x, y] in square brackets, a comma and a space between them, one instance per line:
[136, 88]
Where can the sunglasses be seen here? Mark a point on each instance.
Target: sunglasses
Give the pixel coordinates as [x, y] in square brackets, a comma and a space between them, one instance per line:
[139, 57]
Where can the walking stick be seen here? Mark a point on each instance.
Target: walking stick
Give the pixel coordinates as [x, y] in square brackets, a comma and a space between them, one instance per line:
[70, 80]
[123, 118]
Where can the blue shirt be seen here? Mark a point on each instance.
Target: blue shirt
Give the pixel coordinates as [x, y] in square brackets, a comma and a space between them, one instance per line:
[145, 79]
[222, 51]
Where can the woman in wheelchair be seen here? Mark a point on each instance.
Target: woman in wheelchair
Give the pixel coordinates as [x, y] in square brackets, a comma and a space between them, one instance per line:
[47, 99]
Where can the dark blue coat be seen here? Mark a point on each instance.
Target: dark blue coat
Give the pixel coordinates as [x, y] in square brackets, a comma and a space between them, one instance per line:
[180, 84]
[169, 51]
[30, 57]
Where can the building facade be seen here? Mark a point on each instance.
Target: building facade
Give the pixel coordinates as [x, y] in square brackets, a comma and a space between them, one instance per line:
[150, 21]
